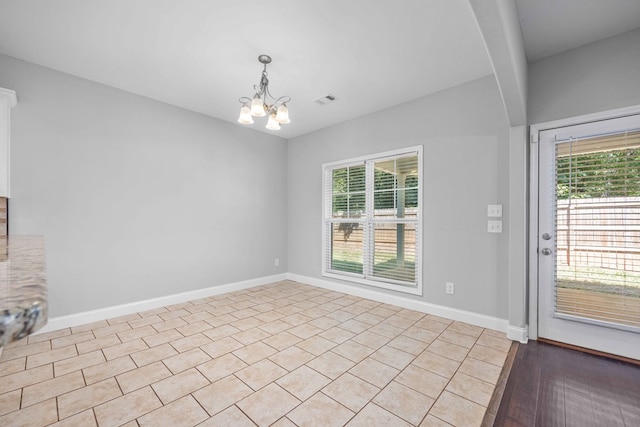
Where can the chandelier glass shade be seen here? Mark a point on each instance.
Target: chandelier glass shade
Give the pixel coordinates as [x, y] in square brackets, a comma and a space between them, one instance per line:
[263, 103]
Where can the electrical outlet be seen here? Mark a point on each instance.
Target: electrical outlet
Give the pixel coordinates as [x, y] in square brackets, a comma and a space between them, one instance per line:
[449, 288]
[494, 226]
[277, 262]
[494, 211]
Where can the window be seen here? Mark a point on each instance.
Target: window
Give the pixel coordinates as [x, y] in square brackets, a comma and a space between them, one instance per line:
[372, 220]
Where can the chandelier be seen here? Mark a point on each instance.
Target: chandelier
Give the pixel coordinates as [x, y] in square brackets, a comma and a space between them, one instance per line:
[263, 103]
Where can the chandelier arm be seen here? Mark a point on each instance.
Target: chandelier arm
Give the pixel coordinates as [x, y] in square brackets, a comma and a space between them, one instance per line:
[283, 99]
[273, 107]
[267, 95]
[276, 101]
[268, 99]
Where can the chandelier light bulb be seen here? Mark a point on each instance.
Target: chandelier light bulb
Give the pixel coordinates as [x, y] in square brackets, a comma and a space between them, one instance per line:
[245, 116]
[282, 116]
[272, 124]
[257, 107]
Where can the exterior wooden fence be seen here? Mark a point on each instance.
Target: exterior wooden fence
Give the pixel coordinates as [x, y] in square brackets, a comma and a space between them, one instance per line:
[599, 233]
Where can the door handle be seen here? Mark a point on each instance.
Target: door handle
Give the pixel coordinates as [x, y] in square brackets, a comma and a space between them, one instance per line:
[546, 251]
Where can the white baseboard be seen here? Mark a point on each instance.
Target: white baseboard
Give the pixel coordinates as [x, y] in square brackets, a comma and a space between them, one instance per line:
[518, 334]
[77, 319]
[82, 318]
[481, 320]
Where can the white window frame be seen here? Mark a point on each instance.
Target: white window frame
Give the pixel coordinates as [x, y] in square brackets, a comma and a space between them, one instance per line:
[368, 220]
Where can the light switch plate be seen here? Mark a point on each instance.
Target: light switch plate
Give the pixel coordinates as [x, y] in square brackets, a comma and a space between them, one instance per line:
[494, 226]
[494, 211]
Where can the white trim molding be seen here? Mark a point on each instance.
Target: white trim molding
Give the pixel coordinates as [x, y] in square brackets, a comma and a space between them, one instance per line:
[477, 319]
[518, 236]
[8, 100]
[534, 135]
[518, 334]
[82, 318]
[10, 96]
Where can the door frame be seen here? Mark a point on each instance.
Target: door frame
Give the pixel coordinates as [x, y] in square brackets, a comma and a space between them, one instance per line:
[534, 133]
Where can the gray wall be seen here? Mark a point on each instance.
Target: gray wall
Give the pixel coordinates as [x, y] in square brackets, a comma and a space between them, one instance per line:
[597, 77]
[138, 199]
[465, 134]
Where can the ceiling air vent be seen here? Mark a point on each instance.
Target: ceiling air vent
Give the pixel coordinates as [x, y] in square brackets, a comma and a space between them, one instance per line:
[324, 100]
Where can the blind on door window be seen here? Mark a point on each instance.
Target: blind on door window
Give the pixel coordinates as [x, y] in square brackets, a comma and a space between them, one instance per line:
[598, 230]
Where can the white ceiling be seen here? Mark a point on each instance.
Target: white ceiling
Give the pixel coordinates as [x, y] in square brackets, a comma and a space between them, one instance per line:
[553, 26]
[202, 54]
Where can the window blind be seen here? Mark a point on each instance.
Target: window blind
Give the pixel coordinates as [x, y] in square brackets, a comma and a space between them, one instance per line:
[372, 218]
[598, 230]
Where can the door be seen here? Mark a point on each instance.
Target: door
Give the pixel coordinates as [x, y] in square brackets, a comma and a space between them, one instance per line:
[588, 235]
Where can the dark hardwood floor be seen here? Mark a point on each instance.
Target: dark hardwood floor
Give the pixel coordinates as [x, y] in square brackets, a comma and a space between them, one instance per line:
[555, 386]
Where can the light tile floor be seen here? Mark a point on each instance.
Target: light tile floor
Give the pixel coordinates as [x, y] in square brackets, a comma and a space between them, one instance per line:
[284, 354]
